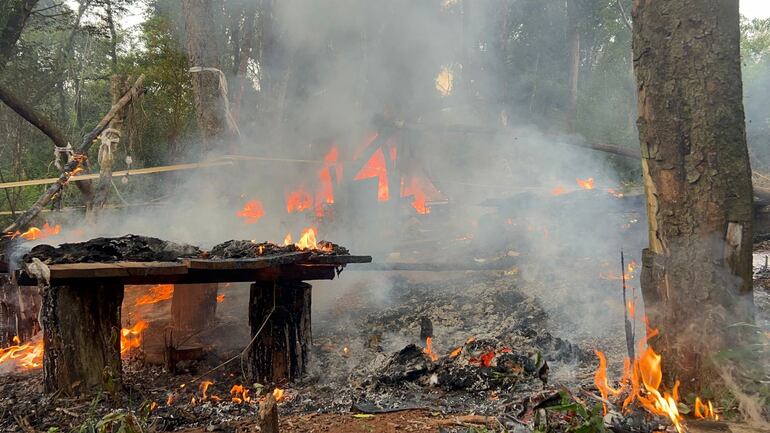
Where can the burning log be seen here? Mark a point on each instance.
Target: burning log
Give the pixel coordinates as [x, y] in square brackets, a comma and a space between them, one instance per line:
[279, 316]
[82, 338]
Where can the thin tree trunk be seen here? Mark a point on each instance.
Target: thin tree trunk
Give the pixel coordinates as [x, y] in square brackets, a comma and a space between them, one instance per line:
[697, 277]
[574, 62]
[112, 137]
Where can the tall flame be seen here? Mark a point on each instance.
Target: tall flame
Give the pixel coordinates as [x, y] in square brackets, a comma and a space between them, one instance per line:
[429, 349]
[642, 381]
[376, 167]
[308, 240]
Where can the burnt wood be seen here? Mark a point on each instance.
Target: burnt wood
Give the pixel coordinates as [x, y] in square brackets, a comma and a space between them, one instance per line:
[193, 307]
[279, 317]
[82, 339]
[298, 266]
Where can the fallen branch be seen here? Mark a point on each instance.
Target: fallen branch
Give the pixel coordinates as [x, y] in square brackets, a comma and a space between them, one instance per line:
[78, 159]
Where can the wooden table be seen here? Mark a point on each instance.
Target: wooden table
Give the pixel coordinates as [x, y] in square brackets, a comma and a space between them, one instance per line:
[81, 313]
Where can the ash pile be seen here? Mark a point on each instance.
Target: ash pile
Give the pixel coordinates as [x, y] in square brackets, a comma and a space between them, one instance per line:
[470, 344]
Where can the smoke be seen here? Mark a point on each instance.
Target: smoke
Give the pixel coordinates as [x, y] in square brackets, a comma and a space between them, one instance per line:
[425, 77]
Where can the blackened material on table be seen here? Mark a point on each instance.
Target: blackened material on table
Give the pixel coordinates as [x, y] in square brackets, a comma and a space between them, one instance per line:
[124, 248]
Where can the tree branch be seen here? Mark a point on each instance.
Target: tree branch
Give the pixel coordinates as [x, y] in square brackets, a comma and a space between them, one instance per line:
[79, 158]
[30, 115]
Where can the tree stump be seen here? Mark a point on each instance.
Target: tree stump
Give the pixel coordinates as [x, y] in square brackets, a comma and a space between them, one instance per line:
[19, 308]
[281, 349]
[82, 338]
[193, 307]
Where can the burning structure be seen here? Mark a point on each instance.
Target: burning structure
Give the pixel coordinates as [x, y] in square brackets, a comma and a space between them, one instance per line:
[490, 296]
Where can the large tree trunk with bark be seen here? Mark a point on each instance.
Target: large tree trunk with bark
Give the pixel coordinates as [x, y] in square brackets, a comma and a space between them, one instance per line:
[193, 308]
[205, 72]
[81, 333]
[697, 277]
[279, 315]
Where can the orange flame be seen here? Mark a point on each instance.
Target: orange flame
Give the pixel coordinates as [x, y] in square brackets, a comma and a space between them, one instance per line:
[429, 349]
[221, 298]
[308, 240]
[239, 394]
[298, 200]
[642, 380]
[203, 387]
[376, 167]
[21, 357]
[131, 338]
[36, 234]
[278, 394]
[325, 192]
[252, 212]
[586, 184]
[159, 293]
[559, 190]
[705, 410]
[455, 353]
[422, 190]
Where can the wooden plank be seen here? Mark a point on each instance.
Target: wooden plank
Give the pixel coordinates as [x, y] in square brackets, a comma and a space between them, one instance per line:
[116, 269]
[339, 260]
[249, 263]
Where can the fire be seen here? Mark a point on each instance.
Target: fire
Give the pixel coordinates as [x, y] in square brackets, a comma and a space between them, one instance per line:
[445, 81]
[36, 234]
[705, 411]
[25, 356]
[559, 190]
[298, 200]
[641, 382]
[308, 240]
[287, 239]
[252, 212]
[278, 394]
[131, 338]
[422, 190]
[325, 192]
[376, 167]
[239, 394]
[486, 358]
[429, 349]
[221, 298]
[586, 184]
[455, 353]
[203, 387]
[159, 293]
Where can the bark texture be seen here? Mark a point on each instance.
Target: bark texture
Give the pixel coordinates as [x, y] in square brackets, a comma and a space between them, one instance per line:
[282, 347]
[81, 333]
[697, 276]
[204, 63]
[118, 86]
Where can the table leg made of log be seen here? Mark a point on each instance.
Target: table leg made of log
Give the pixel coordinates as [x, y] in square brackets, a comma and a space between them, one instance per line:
[279, 316]
[81, 335]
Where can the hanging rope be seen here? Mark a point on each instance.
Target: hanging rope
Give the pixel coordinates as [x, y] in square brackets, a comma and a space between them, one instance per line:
[223, 89]
[109, 139]
[59, 152]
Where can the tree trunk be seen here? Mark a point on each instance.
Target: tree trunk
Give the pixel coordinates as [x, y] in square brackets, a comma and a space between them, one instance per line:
[18, 14]
[205, 72]
[109, 146]
[574, 62]
[19, 307]
[697, 276]
[81, 333]
[282, 347]
[193, 307]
